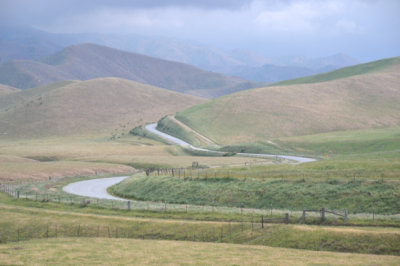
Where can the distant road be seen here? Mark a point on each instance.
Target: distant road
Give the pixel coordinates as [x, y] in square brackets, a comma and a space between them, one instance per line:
[95, 188]
[152, 128]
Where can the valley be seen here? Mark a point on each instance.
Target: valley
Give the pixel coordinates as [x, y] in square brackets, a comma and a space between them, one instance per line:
[303, 171]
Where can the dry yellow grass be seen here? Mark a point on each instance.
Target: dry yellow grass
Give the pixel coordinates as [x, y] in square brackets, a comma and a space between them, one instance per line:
[98, 105]
[71, 156]
[358, 102]
[73, 251]
[44, 170]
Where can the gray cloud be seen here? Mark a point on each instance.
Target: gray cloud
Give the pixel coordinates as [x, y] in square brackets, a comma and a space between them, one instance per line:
[367, 29]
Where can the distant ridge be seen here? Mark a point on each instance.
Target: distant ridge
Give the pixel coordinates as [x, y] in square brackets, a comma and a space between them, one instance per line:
[344, 72]
[95, 106]
[88, 61]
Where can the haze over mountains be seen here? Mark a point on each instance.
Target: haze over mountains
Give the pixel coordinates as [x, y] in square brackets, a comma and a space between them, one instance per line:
[95, 106]
[88, 61]
[28, 43]
[360, 97]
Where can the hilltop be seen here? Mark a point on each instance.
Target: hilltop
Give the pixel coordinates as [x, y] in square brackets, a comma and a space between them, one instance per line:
[89, 61]
[86, 107]
[360, 97]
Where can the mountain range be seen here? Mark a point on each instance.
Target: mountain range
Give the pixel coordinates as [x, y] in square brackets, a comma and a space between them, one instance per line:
[29, 43]
[89, 61]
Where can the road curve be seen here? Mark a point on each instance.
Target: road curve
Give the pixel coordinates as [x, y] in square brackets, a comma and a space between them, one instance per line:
[95, 188]
[153, 129]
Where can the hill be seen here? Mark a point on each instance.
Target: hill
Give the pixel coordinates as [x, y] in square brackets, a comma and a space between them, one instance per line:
[367, 99]
[89, 61]
[360, 69]
[93, 106]
[292, 67]
[4, 90]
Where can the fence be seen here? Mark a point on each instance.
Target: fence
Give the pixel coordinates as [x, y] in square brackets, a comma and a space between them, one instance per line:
[139, 230]
[350, 175]
[323, 213]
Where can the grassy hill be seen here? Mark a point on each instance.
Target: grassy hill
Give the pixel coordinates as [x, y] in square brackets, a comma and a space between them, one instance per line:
[89, 61]
[345, 72]
[75, 107]
[364, 101]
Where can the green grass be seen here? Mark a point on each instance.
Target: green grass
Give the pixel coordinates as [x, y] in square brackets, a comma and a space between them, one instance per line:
[155, 252]
[168, 126]
[344, 72]
[357, 196]
[140, 131]
[24, 223]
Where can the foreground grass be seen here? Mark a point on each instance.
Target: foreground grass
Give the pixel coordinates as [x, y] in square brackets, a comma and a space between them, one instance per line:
[355, 196]
[24, 223]
[157, 252]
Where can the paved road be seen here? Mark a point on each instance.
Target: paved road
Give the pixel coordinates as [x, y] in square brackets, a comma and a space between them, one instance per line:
[152, 128]
[94, 188]
[97, 188]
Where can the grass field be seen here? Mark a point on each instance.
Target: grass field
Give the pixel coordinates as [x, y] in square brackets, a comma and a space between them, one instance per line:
[42, 156]
[356, 196]
[104, 251]
[25, 220]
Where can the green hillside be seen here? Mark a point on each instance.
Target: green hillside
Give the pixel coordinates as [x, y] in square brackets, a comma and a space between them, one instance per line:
[93, 106]
[358, 102]
[345, 72]
[89, 61]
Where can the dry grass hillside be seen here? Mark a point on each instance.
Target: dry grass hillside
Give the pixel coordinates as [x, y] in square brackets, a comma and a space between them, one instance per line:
[89, 61]
[94, 106]
[358, 102]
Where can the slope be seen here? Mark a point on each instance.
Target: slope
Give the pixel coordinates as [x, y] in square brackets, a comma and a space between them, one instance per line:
[94, 106]
[88, 61]
[358, 102]
[360, 69]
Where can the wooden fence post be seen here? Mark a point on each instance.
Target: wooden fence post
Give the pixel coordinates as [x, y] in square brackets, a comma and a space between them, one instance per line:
[303, 217]
[286, 218]
[129, 205]
[346, 218]
[323, 214]
[17, 194]
[262, 221]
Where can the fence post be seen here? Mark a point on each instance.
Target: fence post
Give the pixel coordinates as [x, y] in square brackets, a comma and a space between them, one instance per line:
[286, 218]
[18, 194]
[129, 205]
[262, 221]
[303, 217]
[323, 214]
[346, 218]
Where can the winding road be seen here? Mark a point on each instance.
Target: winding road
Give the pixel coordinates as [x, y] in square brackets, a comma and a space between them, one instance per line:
[97, 188]
[153, 129]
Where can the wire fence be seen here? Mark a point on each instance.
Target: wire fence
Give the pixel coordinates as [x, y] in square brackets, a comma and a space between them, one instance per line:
[39, 192]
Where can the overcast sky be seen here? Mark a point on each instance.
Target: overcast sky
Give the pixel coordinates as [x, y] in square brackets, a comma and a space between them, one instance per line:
[365, 29]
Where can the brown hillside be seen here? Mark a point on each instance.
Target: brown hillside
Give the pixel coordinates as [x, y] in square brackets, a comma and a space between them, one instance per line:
[94, 106]
[357, 102]
[89, 61]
